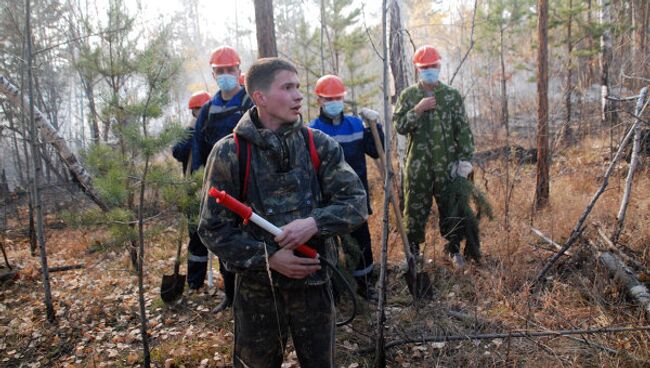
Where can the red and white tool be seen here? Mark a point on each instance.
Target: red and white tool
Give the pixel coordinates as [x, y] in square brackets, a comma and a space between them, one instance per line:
[247, 214]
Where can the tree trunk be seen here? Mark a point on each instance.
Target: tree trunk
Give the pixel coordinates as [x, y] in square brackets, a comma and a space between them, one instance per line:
[323, 23]
[48, 134]
[380, 351]
[90, 95]
[568, 130]
[504, 92]
[605, 61]
[399, 65]
[505, 123]
[590, 43]
[18, 162]
[49, 164]
[141, 301]
[265, 27]
[32, 228]
[543, 159]
[636, 148]
[402, 76]
[36, 172]
[643, 37]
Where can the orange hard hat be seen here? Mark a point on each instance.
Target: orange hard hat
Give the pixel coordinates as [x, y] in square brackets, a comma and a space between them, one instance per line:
[224, 56]
[198, 99]
[330, 86]
[425, 56]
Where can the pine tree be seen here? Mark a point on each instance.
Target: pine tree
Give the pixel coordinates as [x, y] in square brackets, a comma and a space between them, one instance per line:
[125, 169]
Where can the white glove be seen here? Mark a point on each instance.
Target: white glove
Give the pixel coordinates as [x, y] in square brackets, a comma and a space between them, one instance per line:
[368, 114]
[462, 169]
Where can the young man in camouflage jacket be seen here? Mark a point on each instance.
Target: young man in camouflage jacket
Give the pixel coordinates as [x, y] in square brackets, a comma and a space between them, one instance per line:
[276, 291]
[440, 146]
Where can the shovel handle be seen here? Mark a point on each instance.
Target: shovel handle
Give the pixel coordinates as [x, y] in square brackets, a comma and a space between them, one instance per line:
[393, 197]
[246, 213]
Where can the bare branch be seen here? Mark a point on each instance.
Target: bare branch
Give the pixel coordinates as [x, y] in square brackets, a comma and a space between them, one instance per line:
[471, 45]
[507, 335]
[577, 230]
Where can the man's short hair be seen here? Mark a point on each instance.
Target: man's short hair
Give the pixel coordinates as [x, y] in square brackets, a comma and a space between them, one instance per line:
[262, 73]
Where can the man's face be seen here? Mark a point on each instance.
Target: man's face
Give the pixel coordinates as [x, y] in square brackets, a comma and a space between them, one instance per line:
[195, 112]
[323, 100]
[232, 70]
[283, 100]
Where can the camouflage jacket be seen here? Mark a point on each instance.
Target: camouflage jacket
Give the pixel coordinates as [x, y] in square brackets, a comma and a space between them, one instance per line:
[442, 135]
[283, 186]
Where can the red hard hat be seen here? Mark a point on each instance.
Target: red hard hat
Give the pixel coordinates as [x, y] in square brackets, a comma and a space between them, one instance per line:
[330, 86]
[198, 99]
[224, 56]
[425, 56]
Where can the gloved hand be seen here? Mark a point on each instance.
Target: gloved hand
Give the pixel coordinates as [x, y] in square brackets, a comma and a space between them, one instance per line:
[461, 168]
[368, 114]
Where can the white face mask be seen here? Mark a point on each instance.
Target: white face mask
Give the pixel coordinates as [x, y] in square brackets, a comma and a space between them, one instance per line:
[429, 75]
[227, 82]
[333, 108]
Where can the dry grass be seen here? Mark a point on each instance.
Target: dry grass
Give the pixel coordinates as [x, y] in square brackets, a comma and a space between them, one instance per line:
[97, 307]
[578, 294]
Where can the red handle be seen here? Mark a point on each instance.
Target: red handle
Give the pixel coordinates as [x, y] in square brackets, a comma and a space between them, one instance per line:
[307, 251]
[231, 203]
[246, 212]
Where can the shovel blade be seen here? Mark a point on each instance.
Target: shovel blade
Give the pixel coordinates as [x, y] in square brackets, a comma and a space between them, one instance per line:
[172, 287]
[419, 284]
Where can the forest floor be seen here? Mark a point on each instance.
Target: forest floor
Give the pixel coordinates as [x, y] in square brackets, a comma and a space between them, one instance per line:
[97, 307]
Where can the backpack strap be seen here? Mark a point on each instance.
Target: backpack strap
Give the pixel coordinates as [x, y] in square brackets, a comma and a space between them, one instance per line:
[244, 155]
[243, 150]
[246, 102]
[308, 134]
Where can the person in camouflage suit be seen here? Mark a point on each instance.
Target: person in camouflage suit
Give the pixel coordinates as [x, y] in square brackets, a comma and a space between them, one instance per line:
[276, 291]
[440, 146]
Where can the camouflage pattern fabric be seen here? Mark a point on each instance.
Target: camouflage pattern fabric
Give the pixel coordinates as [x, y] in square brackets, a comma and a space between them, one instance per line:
[282, 187]
[263, 320]
[436, 139]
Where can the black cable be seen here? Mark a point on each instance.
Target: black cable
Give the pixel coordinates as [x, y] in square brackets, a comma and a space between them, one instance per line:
[348, 287]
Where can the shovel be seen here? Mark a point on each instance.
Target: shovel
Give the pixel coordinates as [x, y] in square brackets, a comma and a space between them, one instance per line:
[173, 285]
[418, 283]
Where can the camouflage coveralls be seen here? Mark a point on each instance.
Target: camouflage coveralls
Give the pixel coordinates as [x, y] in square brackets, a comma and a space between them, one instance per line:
[282, 187]
[436, 139]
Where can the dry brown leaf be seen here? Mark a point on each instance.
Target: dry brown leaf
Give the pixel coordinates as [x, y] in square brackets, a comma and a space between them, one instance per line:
[132, 358]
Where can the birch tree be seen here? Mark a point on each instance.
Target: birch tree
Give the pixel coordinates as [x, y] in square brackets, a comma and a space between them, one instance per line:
[605, 60]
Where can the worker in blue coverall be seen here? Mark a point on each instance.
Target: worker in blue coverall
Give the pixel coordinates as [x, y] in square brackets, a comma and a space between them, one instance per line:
[357, 142]
[182, 152]
[216, 120]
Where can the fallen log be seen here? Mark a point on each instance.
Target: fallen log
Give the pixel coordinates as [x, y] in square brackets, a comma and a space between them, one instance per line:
[7, 275]
[520, 154]
[66, 268]
[621, 273]
[49, 135]
[612, 248]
